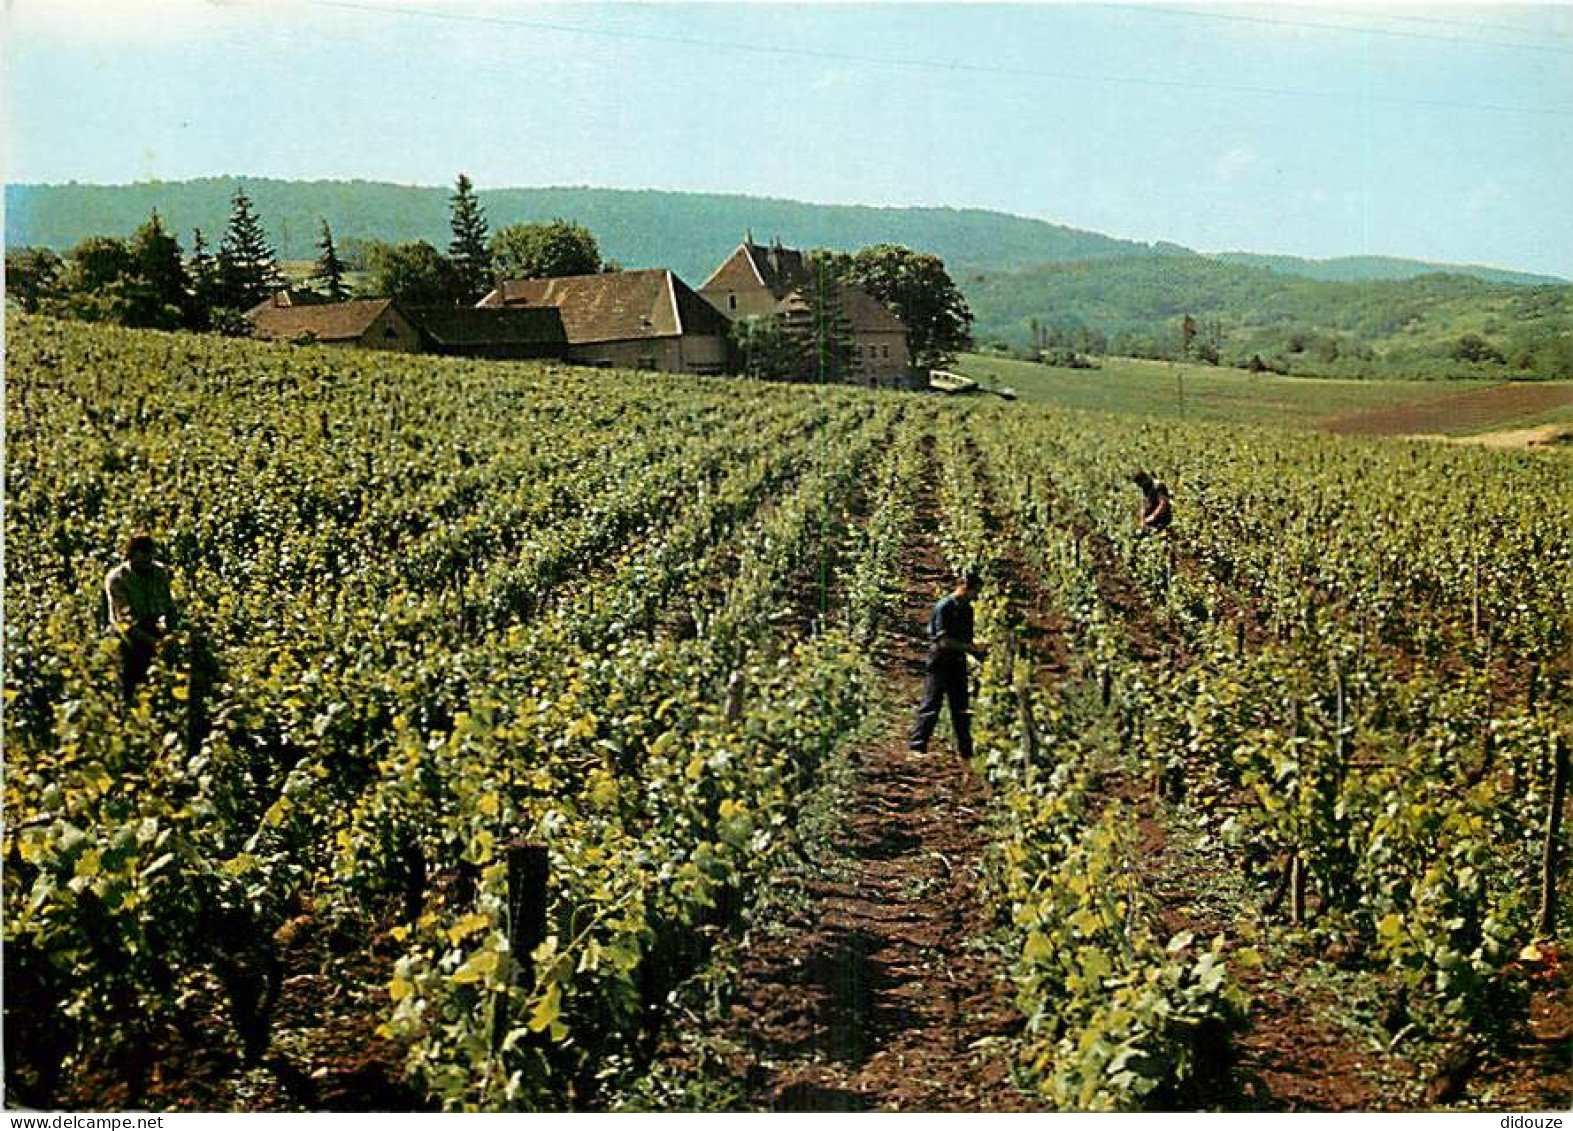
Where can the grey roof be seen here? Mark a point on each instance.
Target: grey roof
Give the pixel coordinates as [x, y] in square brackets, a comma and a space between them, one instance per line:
[489, 326]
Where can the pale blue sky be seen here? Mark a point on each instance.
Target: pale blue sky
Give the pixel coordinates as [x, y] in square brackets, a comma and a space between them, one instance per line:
[1440, 131]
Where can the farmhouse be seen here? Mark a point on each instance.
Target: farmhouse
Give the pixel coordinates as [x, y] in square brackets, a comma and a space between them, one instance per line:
[626, 319]
[365, 323]
[501, 333]
[770, 282]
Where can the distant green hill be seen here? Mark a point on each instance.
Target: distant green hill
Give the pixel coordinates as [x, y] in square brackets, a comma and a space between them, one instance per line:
[689, 232]
[1408, 327]
[1374, 268]
[1358, 315]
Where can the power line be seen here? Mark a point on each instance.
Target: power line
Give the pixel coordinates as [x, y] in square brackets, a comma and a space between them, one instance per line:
[1275, 21]
[938, 65]
[1471, 25]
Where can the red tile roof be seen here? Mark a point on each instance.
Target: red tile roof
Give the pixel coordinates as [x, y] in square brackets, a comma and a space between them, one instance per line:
[330, 322]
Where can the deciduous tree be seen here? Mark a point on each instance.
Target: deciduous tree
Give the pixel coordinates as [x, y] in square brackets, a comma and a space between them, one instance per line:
[32, 276]
[916, 288]
[539, 251]
[416, 273]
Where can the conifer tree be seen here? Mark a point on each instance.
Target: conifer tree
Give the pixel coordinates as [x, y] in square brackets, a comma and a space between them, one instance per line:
[330, 268]
[205, 288]
[162, 285]
[248, 270]
[468, 254]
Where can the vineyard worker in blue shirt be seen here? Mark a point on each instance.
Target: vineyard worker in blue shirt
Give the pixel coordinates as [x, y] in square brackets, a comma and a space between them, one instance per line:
[950, 643]
[141, 608]
[1157, 511]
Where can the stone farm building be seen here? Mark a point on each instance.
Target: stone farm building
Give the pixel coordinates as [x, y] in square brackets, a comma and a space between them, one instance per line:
[376, 324]
[626, 319]
[769, 282]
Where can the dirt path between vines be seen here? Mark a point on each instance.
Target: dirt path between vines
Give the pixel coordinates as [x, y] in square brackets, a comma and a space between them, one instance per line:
[877, 995]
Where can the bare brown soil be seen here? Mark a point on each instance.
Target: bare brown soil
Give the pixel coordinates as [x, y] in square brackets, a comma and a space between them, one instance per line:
[1535, 1072]
[1477, 409]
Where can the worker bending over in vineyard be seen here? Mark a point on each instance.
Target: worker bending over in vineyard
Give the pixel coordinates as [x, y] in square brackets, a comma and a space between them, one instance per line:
[1157, 511]
[141, 609]
[950, 643]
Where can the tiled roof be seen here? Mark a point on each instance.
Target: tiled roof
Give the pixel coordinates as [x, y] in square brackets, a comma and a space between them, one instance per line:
[617, 307]
[492, 326]
[330, 322]
[782, 268]
[867, 313]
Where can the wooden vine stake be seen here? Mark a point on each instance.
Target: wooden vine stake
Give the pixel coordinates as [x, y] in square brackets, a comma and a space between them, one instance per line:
[1340, 735]
[1296, 889]
[1474, 588]
[1297, 869]
[414, 881]
[735, 689]
[1548, 855]
[527, 874]
[1029, 733]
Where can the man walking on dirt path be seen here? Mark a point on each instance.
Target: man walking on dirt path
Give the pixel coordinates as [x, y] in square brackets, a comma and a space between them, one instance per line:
[945, 678]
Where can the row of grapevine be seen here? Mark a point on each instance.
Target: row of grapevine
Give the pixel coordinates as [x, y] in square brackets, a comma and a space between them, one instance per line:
[1118, 1014]
[1362, 694]
[434, 609]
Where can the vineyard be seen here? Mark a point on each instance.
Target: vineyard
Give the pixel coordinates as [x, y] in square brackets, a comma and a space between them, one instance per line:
[535, 739]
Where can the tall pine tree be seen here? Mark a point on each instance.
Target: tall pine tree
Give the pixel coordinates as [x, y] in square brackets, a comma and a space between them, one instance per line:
[330, 268]
[248, 270]
[468, 254]
[205, 289]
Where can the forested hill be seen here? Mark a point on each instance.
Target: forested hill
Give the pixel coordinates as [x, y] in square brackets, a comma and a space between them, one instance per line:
[1375, 268]
[1431, 325]
[690, 233]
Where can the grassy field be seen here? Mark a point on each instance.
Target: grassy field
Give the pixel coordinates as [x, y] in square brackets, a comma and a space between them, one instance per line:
[1200, 392]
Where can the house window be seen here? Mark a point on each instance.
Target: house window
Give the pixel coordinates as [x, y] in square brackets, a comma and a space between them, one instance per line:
[857, 352]
[390, 332]
[731, 302]
[887, 351]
